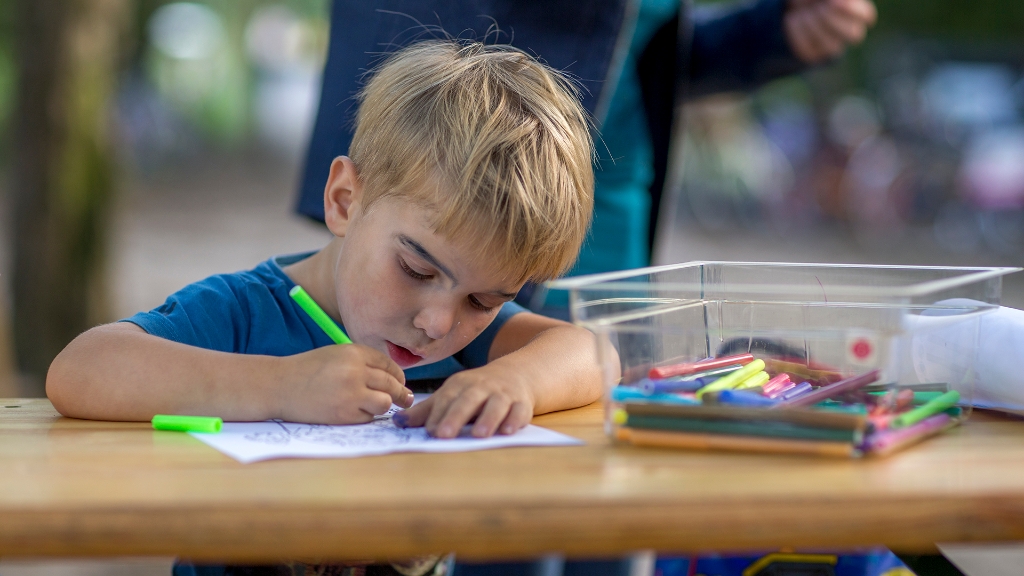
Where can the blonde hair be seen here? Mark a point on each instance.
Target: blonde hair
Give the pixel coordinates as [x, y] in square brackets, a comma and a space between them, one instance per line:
[496, 142]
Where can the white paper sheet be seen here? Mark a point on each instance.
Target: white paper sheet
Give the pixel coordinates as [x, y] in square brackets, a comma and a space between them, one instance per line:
[254, 441]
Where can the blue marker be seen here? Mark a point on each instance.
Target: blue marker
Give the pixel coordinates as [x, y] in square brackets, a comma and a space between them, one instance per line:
[627, 393]
[690, 383]
[651, 386]
[743, 398]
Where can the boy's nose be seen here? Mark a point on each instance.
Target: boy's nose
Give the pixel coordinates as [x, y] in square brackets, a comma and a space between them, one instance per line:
[435, 321]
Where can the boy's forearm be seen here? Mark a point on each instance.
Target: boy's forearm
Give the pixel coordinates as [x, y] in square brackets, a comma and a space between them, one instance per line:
[119, 372]
[560, 366]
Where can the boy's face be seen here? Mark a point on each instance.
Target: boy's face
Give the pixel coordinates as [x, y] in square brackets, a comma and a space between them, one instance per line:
[405, 290]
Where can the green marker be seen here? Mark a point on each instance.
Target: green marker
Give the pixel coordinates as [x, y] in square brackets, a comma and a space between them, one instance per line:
[930, 408]
[318, 315]
[209, 424]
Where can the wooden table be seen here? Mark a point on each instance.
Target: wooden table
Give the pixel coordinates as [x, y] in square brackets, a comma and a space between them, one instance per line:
[72, 487]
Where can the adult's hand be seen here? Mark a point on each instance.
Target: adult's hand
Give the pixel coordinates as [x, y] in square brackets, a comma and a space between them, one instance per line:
[818, 30]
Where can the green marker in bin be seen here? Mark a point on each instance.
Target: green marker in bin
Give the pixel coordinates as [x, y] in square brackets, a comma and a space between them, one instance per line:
[175, 423]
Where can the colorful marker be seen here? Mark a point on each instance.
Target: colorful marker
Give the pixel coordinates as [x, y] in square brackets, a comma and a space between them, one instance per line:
[174, 423]
[781, 390]
[776, 383]
[796, 391]
[649, 386]
[889, 441]
[731, 380]
[756, 381]
[325, 322]
[743, 398]
[689, 383]
[947, 400]
[629, 393]
[832, 390]
[699, 366]
[925, 397]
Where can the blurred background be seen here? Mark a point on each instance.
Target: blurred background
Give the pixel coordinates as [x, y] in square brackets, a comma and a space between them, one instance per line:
[148, 144]
[908, 150]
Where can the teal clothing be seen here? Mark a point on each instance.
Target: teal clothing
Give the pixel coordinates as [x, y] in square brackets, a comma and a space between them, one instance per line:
[618, 235]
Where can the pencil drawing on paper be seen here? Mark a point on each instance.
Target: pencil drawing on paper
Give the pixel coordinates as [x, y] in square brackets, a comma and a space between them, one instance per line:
[254, 441]
[380, 432]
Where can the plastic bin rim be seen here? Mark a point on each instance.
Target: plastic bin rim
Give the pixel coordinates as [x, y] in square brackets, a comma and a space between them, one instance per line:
[607, 280]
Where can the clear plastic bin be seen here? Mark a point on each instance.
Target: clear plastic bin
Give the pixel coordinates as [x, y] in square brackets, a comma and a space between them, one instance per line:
[847, 319]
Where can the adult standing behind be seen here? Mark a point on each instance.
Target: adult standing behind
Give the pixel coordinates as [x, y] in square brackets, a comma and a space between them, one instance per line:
[635, 60]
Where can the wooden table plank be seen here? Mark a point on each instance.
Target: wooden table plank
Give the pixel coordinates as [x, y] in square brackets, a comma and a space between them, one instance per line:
[78, 488]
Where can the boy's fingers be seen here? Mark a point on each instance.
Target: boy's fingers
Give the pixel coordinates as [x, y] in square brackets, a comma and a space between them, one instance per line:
[518, 416]
[442, 399]
[384, 382]
[416, 416]
[494, 412]
[362, 417]
[375, 403]
[459, 412]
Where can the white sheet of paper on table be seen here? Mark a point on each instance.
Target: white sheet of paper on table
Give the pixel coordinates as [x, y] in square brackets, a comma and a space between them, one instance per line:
[254, 441]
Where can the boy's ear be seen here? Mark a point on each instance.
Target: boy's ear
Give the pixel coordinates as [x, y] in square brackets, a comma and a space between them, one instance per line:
[342, 195]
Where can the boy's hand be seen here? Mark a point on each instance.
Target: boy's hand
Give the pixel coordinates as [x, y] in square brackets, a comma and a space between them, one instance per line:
[499, 401]
[347, 384]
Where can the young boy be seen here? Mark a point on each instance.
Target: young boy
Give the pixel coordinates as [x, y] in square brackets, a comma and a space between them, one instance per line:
[469, 174]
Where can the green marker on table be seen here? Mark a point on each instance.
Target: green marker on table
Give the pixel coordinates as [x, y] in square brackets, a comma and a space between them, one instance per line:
[325, 322]
[930, 408]
[174, 423]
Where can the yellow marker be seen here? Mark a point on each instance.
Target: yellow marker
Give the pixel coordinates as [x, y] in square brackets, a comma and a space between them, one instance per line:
[619, 416]
[759, 379]
[731, 380]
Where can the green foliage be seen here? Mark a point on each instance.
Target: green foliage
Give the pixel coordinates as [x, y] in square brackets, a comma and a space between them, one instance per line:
[215, 94]
[953, 19]
[8, 73]
[947, 19]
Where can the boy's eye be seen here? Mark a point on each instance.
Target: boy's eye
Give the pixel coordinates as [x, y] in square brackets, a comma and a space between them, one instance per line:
[412, 273]
[479, 305]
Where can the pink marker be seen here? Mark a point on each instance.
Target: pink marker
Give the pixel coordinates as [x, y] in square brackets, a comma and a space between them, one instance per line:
[891, 440]
[782, 390]
[700, 366]
[778, 382]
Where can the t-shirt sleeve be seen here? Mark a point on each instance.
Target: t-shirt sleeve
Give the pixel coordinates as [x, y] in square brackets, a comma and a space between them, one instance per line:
[475, 354]
[210, 314]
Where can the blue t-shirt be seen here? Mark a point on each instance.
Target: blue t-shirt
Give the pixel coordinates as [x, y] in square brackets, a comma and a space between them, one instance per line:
[250, 312]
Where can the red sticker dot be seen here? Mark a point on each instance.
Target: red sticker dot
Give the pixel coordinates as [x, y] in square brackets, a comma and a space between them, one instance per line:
[861, 349]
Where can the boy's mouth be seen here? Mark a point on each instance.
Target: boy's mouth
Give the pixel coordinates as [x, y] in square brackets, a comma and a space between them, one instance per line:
[402, 356]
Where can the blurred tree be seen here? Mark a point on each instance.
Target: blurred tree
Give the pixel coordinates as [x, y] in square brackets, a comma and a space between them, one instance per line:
[985, 20]
[62, 171]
